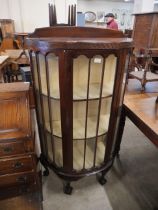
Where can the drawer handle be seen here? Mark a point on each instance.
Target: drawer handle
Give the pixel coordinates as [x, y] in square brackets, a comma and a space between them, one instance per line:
[22, 179]
[8, 149]
[18, 165]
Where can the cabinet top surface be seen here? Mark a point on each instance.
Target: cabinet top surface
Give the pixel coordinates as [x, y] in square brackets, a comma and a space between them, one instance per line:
[80, 43]
[78, 38]
[14, 87]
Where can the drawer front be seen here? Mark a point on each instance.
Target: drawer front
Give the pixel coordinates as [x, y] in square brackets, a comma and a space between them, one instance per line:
[12, 148]
[15, 165]
[17, 179]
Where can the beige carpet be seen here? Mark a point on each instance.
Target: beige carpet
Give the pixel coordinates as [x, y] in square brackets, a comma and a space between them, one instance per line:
[87, 194]
[132, 181]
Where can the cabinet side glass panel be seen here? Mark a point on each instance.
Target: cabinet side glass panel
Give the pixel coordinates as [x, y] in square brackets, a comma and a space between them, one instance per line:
[38, 101]
[49, 93]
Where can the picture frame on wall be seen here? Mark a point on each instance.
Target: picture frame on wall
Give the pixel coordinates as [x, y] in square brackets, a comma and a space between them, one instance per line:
[90, 16]
[100, 16]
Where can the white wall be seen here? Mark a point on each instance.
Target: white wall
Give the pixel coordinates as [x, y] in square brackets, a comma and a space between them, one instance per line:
[143, 6]
[31, 14]
[146, 6]
[15, 14]
[34, 13]
[107, 6]
[4, 9]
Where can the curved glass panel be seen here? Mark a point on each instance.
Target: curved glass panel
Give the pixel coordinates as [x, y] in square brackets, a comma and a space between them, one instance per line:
[93, 83]
[46, 75]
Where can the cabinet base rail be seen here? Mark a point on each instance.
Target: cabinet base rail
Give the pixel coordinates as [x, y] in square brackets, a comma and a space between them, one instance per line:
[70, 177]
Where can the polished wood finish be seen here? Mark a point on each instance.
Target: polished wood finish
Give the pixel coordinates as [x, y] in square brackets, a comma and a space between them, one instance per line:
[79, 55]
[145, 30]
[17, 164]
[3, 64]
[27, 201]
[9, 43]
[17, 179]
[7, 27]
[143, 112]
[17, 153]
[76, 32]
[13, 123]
[21, 38]
[141, 109]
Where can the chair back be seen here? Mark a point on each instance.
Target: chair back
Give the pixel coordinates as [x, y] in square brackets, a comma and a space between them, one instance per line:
[9, 43]
[53, 16]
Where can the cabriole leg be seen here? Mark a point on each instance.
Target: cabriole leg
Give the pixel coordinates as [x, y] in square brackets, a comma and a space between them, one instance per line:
[67, 188]
[101, 178]
[45, 165]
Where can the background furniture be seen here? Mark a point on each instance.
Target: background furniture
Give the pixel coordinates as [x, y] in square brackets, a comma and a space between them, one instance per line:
[78, 81]
[142, 110]
[7, 28]
[145, 42]
[71, 16]
[143, 113]
[3, 64]
[141, 68]
[9, 43]
[21, 38]
[148, 24]
[128, 33]
[29, 201]
[17, 155]
[145, 30]
[17, 59]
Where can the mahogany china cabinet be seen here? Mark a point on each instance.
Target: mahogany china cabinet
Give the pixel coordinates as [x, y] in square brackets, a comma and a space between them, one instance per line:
[17, 153]
[78, 81]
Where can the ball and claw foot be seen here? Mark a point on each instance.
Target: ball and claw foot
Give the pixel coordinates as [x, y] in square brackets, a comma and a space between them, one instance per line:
[101, 179]
[68, 189]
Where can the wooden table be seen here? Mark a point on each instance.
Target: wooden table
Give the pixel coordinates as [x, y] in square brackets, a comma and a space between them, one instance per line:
[22, 37]
[3, 63]
[142, 110]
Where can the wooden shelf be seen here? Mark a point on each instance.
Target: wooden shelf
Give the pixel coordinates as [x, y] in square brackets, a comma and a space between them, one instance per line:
[79, 92]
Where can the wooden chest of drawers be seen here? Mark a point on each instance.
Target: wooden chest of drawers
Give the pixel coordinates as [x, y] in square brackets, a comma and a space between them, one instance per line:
[17, 157]
[16, 164]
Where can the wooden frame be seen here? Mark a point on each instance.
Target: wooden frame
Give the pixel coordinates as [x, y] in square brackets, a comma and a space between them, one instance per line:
[72, 68]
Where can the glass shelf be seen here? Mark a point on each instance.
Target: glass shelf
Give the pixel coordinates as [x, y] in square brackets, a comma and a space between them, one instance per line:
[79, 127]
[78, 152]
[79, 92]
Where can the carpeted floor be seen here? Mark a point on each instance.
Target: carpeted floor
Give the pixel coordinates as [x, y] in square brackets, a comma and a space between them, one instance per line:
[132, 181]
